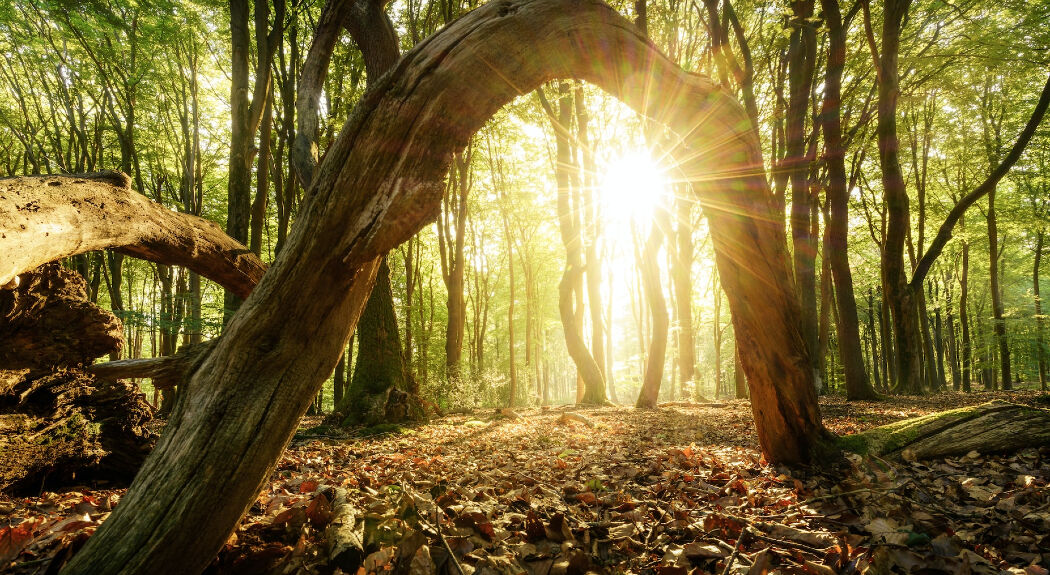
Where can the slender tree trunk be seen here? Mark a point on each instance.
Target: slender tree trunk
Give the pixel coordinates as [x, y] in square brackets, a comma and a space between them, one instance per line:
[953, 340]
[1040, 345]
[964, 312]
[246, 115]
[801, 64]
[588, 369]
[682, 277]
[456, 325]
[262, 179]
[901, 299]
[873, 335]
[654, 294]
[857, 384]
[997, 294]
[591, 230]
[938, 342]
[717, 327]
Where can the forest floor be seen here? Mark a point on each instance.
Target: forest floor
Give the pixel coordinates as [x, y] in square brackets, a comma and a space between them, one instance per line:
[673, 491]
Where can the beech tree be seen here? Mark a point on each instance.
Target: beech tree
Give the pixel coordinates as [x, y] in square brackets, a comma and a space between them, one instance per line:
[240, 406]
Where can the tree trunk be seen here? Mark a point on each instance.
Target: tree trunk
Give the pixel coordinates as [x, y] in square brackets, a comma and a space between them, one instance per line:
[858, 387]
[282, 344]
[997, 294]
[682, 278]
[654, 294]
[716, 325]
[1040, 345]
[569, 289]
[246, 115]
[380, 391]
[899, 295]
[46, 218]
[964, 311]
[801, 64]
[590, 230]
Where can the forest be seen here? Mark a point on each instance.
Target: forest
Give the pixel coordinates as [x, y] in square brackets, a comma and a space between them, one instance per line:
[524, 286]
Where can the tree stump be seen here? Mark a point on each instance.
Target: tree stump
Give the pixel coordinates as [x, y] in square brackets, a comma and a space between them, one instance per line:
[58, 423]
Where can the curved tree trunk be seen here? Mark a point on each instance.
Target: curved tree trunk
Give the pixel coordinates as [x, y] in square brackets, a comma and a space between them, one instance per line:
[46, 218]
[382, 181]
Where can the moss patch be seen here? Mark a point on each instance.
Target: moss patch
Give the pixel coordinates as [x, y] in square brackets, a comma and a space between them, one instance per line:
[896, 436]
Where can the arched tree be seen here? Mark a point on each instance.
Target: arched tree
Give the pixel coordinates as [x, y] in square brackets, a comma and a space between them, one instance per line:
[380, 182]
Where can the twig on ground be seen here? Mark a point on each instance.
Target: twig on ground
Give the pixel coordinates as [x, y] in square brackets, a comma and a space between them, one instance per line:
[740, 543]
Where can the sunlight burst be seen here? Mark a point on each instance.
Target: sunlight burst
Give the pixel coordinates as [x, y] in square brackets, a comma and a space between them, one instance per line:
[633, 186]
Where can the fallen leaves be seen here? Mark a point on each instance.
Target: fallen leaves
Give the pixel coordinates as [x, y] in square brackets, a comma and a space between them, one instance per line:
[679, 491]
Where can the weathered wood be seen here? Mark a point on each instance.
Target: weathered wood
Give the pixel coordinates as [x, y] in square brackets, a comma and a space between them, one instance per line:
[47, 322]
[166, 372]
[66, 427]
[991, 427]
[344, 536]
[381, 181]
[47, 218]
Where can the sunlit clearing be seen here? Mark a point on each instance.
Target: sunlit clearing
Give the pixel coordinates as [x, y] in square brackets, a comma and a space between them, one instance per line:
[633, 186]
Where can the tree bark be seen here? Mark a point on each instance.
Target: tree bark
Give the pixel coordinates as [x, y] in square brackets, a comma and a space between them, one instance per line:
[682, 278]
[991, 427]
[46, 218]
[569, 290]
[282, 344]
[654, 295]
[997, 294]
[801, 64]
[1040, 344]
[246, 115]
[380, 390]
[858, 387]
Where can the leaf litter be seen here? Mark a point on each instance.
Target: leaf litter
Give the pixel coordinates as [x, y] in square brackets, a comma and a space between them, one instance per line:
[680, 490]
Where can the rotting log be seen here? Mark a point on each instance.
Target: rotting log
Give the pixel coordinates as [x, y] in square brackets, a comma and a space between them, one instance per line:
[46, 321]
[68, 427]
[47, 218]
[993, 427]
[381, 181]
[59, 424]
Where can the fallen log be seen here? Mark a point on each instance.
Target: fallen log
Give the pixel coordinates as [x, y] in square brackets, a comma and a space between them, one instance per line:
[47, 321]
[68, 427]
[997, 426]
[166, 372]
[47, 218]
[58, 424]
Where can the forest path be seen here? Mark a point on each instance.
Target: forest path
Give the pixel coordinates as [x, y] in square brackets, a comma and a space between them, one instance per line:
[668, 491]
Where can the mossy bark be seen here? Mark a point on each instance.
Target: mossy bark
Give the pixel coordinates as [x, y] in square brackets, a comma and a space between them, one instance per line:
[996, 426]
[381, 391]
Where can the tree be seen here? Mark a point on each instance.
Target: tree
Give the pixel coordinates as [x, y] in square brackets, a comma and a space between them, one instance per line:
[857, 384]
[247, 395]
[247, 115]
